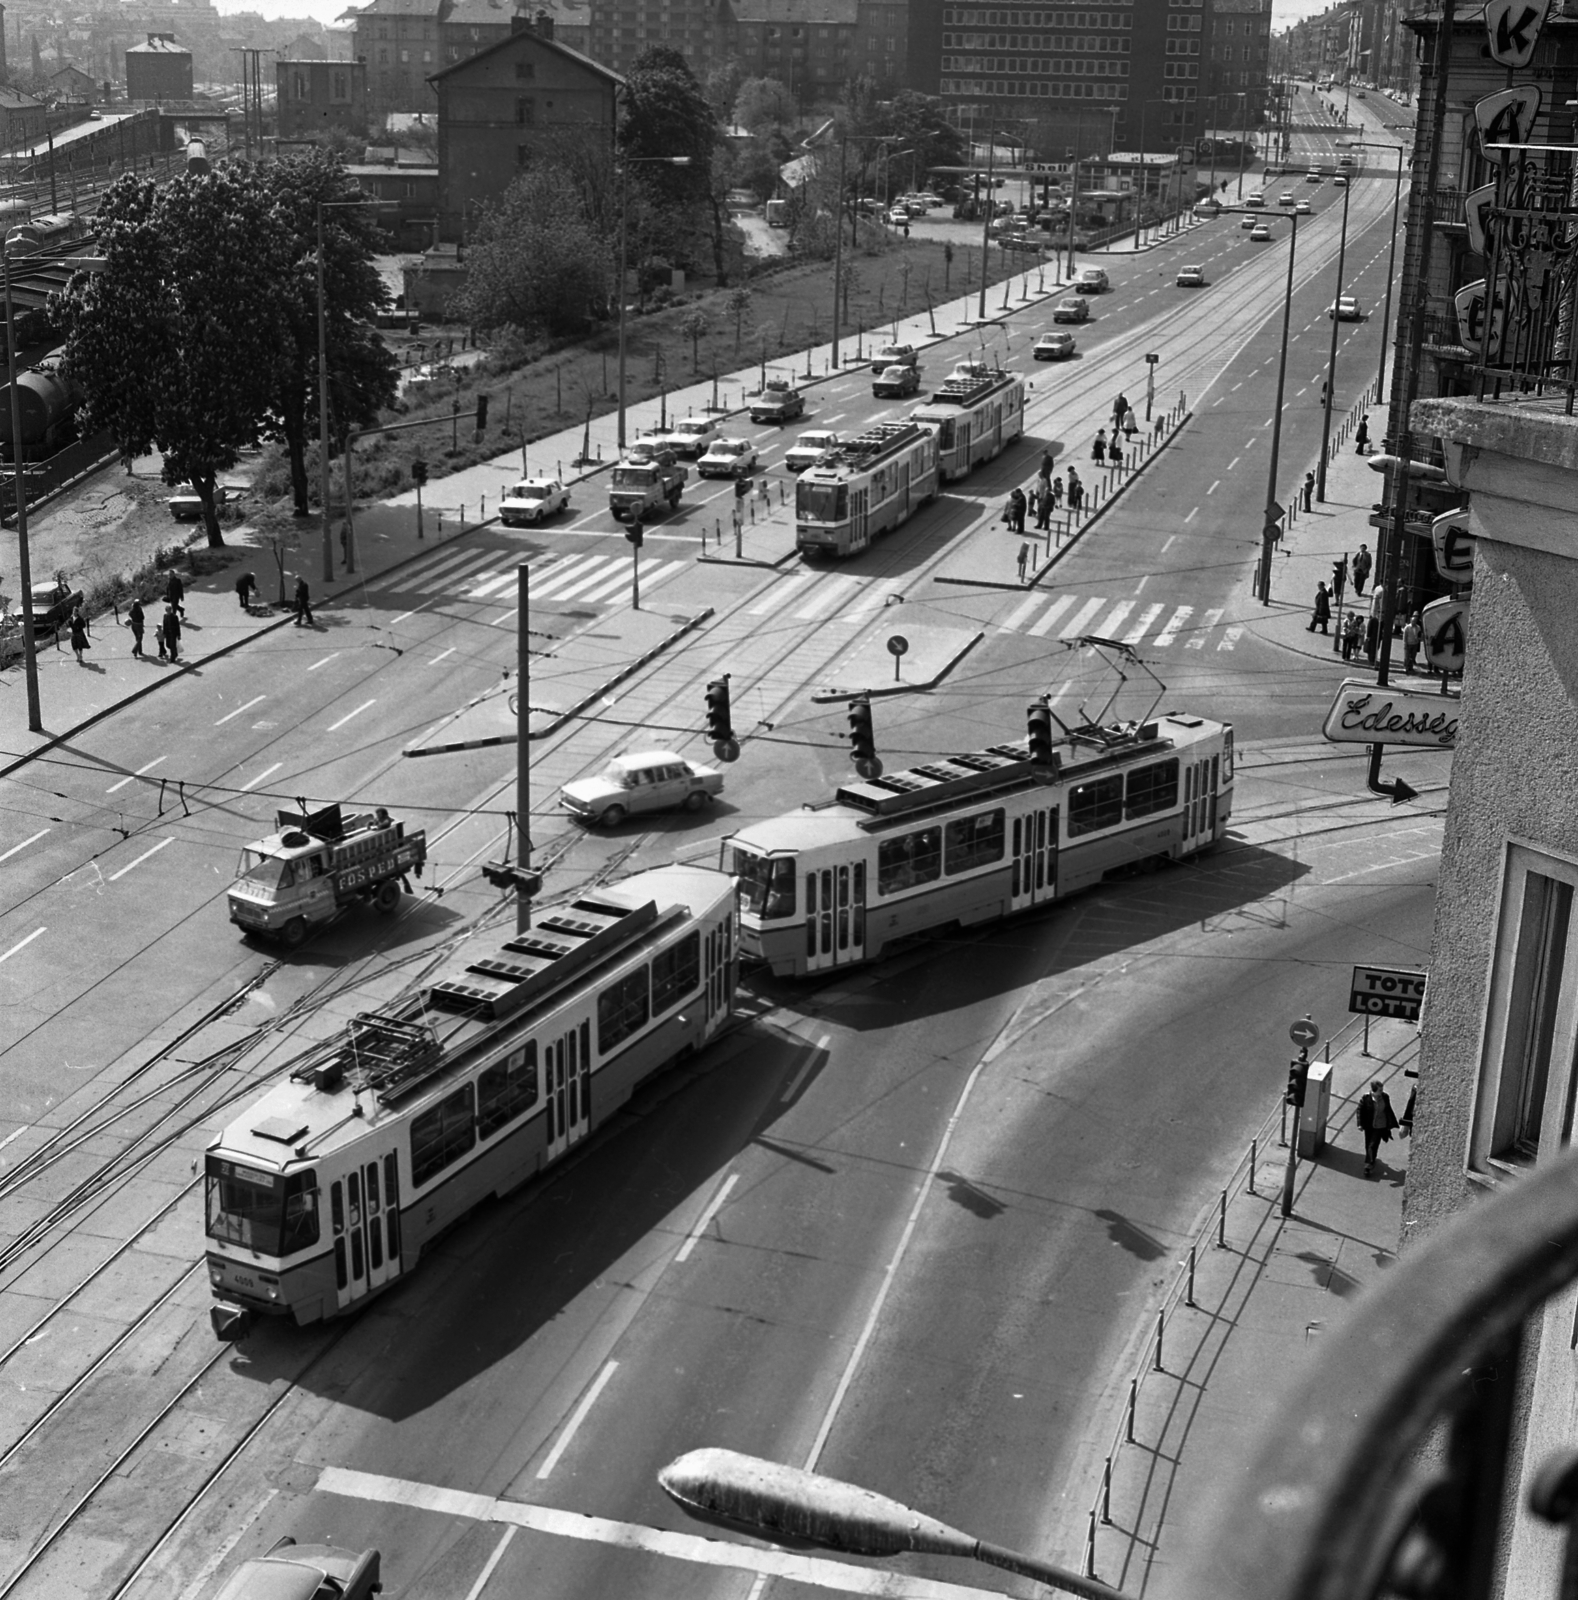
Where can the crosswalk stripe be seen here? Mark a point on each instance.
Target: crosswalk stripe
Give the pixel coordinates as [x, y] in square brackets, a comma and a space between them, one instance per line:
[1011, 622]
[1143, 626]
[1114, 618]
[1043, 623]
[450, 565]
[874, 599]
[577, 576]
[1207, 622]
[490, 582]
[651, 577]
[1170, 629]
[781, 594]
[1230, 638]
[833, 588]
[1081, 617]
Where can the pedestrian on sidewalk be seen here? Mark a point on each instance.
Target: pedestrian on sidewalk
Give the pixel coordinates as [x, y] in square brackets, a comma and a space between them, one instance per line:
[1076, 491]
[1352, 633]
[1119, 406]
[1046, 466]
[1098, 450]
[134, 621]
[1309, 491]
[175, 593]
[170, 634]
[1044, 505]
[1016, 511]
[1339, 578]
[1024, 556]
[1130, 423]
[1115, 452]
[246, 590]
[1361, 569]
[1413, 634]
[303, 604]
[1362, 436]
[1057, 491]
[1320, 617]
[1376, 1120]
[79, 634]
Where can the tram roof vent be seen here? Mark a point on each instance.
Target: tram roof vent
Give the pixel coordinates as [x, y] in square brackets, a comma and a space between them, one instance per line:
[282, 1130]
[877, 440]
[937, 784]
[965, 391]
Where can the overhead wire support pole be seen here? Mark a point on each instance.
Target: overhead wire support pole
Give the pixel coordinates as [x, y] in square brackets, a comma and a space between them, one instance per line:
[323, 417]
[35, 719]
[1267, 535]
[1331, 360]
[988, 207]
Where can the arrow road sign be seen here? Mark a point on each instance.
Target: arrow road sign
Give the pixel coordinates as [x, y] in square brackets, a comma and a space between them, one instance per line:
[1305, 1033]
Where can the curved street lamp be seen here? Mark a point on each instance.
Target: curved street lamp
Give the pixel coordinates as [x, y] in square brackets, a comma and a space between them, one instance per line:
[788, 1505]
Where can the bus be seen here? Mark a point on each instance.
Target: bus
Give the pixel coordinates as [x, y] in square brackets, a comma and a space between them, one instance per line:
[326, 1190]
[777, 213]
[969, 838]
[976, 412]
[866, 486]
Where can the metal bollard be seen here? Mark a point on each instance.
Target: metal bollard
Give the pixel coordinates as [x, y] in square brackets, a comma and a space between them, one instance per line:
[1221, 1222]
[1161, 1327]
[483, 513]
[1106, 1493]
[1090, 1546]
[1189, 1292]
[1252, 1144]
[1128, 1425]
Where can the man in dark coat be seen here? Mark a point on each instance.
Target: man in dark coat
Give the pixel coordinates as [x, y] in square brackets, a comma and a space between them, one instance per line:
[1376, 1121]
[303, 604]
[175, 593]
[170, 632]
[1320, 617]
[134, 621]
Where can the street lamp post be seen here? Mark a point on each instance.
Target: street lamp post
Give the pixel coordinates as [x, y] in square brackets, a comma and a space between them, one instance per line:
[1269, 531]
[988, 208]
[1331, 359]
[619, 266]
[774, 1502]
[35, 717]
[1391, 259]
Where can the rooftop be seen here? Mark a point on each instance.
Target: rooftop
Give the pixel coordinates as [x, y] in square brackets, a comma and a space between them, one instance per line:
[825, 11]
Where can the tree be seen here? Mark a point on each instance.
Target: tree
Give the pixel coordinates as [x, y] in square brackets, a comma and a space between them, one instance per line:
[536, 264]
[693, 324]
[176, 342]
[722, 87]
[363, 374]
[738, 303]
[763, 104]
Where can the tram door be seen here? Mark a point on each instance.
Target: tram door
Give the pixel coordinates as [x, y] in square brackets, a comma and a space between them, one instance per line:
[859, 499]
[364, 1212]
[835, 916]
[1200, 787]
[567, 1085]
[1035, 857]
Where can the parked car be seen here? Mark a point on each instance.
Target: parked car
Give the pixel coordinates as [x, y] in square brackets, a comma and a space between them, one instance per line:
[51, 603]
[1092, 280]
[810, 448]
[895, 382]
[691, 436]
[727, 458]
[1260, 234]
[186, 507]
[1191, 277]
[646, 780]
[899, 217]
[1346, 309]
[894, 355]
[292, 1571]
[1073, 309]
[1054, 346]
[1021, 241]
[531, 501]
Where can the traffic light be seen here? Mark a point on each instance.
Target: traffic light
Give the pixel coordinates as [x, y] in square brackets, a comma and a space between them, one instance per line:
[419, 471]
[1038, 725]
[1298, 1078]
[482, 412]
[741, 488]
[720, 729]
[634, 532]
[862, 740]
[503, 875]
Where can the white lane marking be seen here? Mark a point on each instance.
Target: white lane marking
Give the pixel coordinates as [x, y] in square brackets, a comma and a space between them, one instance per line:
[1230, 638]
[704, 1221]
[780, 594]
[833, 589]
[1219, 399]
[130, 865]
[1192, 515]
[395, 622]
[1207, 622]
[1170, 538]
[450, 565]
[1011, 622]
[816, 1050]
[16, 849]
[1114, 619]
[837, 416]
[1043, 624]
[1238, 385]
[1142, 627]
[1231, 464]
[1081, 618]
[21, 944]
[577, 1417]
[1215, 486]
[17, 1134]
[816, 1571]
[257, 700]
[490, 582]
[440, 656]
[137, 774]
[252, 783]
[651, 577]
[325, 661]
[576, 574]
[334, 727]
[1171, 626]
[475, 1591]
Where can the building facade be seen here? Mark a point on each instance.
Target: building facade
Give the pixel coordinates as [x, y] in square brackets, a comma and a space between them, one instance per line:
[622, 30]
[315, 96]
[499, 107]
[1238, 62]
[158, 70]
[398, 41]
[22, 118]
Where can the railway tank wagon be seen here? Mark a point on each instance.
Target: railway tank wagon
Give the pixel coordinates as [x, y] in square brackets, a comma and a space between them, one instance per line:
[969, 838]
[327, 1188]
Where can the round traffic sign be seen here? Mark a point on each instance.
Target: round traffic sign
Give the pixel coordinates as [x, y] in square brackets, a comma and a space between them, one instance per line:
[1305, 1032]
[897, 644]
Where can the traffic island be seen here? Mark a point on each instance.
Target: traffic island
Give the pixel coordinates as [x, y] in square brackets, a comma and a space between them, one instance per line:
[755, 529]
[901, 659]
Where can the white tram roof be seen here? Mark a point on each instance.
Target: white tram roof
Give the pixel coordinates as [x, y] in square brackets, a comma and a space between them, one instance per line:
[866, 449]
[949, 783]
[968, 385]
[496, 984]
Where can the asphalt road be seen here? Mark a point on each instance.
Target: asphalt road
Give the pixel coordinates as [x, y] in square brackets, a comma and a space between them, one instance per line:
[930, 1312]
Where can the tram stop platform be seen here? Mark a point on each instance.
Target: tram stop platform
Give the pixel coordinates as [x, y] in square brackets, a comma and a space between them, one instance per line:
[912, 655]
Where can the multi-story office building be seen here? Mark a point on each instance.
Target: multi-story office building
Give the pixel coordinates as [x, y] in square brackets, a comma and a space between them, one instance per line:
[815, 47]
[1238, 55]
[701, 30]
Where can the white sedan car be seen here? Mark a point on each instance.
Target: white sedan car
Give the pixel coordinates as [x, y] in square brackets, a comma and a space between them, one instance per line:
[692, 435]
[532, 500]
[810, 448]
[1346, 309]
[648, 780]
[1053, 347]
[728, 458]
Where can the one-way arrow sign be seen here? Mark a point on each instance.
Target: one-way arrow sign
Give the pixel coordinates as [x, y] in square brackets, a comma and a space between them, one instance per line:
[1514, 29]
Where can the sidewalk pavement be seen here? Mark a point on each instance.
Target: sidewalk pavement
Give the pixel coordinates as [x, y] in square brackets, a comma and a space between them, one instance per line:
[1261, 1304]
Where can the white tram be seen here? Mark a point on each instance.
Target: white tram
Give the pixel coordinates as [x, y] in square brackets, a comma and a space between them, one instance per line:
[326, 1189]
[869, 484]
[976, 412]
[965, 839]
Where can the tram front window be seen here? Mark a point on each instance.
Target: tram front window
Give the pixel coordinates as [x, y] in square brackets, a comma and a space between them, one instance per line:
[766, 884]
[821, 502]
[259, 1210]
[267, 872]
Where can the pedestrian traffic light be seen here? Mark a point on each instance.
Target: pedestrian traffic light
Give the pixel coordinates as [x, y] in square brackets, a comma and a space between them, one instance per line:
[419, 471]
[742, 488]
[635, 533]
[1298, 1078]
[1038, 721]
[720, 730]
[862, 739]
[482, 412]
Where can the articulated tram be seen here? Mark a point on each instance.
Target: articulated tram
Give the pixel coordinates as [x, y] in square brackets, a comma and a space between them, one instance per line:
[866, 486]
[975, 413]
[325, 1190]
[969, 838]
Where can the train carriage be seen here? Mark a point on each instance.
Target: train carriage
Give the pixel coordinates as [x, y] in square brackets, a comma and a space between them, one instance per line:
[866, 486]
[974, 415]
[326, 1189]
[969, 838]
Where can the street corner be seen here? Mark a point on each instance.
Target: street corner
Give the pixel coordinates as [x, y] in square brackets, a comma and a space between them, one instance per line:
[898, 657]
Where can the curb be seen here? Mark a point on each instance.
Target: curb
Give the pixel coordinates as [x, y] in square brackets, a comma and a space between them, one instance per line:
[826, 696]
[747, 561]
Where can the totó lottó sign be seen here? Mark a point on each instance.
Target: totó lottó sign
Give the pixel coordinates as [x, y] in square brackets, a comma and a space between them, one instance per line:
[1387, 992]
[1365, 713]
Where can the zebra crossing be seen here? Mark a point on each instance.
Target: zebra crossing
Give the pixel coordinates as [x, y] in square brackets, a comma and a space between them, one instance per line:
[481, 576]
[1157, 625]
